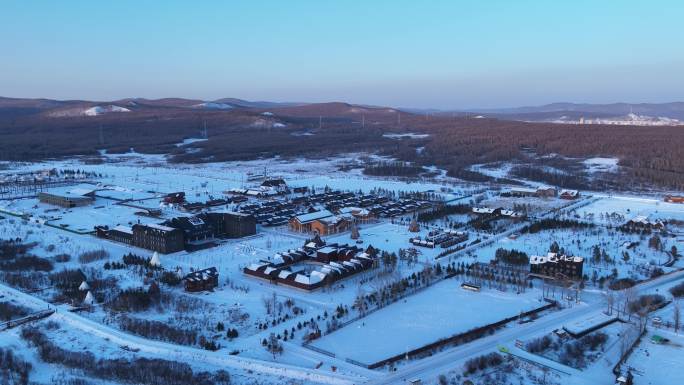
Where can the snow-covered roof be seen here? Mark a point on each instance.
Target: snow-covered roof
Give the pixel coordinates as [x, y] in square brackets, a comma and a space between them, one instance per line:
[483, 210]
[354, 211]
[569, 192]
[523, 190]
[335, 219]
[160, 227]
[554, 258]
[316, 277]
[301, 278]
[305, 218]
[284, 273]
[81, 191]
[255, 266]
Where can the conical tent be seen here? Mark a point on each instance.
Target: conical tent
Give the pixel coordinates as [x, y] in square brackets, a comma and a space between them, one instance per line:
[89, 299]
[155, 261]
[84, 286]
[414, 227]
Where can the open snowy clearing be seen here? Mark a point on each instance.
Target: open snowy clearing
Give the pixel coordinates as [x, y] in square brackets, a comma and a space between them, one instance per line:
[629, 207]
[441, 311]
[656, 364]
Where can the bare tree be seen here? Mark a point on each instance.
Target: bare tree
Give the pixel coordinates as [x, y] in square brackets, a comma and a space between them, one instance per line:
[360, 302]
[610, 301]
[677, 316]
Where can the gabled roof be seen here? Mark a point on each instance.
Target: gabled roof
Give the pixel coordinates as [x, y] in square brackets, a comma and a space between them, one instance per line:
[310, 217]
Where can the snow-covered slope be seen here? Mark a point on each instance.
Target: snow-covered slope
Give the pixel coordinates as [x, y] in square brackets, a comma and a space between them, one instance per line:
[99, 110]
[213, 106]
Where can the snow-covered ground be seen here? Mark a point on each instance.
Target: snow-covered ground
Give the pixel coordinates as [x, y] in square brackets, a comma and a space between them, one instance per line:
[441, 311]
[601, 164]
[630, 207]
[658, 364]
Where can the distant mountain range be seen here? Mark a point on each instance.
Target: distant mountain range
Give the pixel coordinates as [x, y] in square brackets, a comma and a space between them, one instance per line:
[12, 108]
[555, 111]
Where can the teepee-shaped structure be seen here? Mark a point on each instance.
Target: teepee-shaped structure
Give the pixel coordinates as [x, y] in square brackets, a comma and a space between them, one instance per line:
[414, 227]
[155, 260]
[84, 286]
[89, 299]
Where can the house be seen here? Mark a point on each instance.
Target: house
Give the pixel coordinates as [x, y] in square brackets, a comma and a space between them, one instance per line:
[163, 239]
[68, 198]
[643, 222]
[554, 265]
[176, 197]
[486, 211]
[327, 264]
[201, 280]
[332, 225]
[277, 184]
[546, 192]
[523, 192]
[359, 214]
[674, 199]
[302, 223]
[512, 214]
[569, 194]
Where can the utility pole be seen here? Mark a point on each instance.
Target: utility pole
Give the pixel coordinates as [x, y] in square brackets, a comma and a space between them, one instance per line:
[363, 121]
[320, 122]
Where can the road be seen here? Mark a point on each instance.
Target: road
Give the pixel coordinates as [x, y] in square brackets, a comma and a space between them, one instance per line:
[442, 362]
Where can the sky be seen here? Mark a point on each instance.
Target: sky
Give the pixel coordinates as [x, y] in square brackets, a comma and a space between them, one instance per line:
[451, 54]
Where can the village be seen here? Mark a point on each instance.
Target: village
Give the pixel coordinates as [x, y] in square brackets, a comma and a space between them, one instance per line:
[337, 277]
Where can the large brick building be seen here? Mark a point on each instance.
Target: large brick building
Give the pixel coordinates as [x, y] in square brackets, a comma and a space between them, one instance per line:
[557, 266]
[68, 198]
[321, 222]
[163, 239]
[231, 224]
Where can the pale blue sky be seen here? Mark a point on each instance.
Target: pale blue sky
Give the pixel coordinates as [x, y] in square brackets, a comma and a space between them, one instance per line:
[442, 54]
